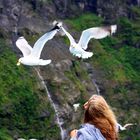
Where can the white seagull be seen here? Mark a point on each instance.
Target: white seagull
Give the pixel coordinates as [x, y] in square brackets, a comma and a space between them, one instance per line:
[31, 56]
[78, 49]
[120, 127]
[76, 106]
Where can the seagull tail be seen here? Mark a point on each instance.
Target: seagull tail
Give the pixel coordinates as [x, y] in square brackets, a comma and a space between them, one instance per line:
[44, 62]
[113, 29]
[86, 55]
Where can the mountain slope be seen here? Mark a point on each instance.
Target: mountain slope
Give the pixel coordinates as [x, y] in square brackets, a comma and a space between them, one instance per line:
[25, 108]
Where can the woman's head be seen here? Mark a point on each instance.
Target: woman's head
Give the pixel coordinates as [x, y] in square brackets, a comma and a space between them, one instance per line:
[99, 113]
[96, 102]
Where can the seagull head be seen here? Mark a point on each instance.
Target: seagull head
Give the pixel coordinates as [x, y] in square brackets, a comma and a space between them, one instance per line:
[19, 62]
[59, 24]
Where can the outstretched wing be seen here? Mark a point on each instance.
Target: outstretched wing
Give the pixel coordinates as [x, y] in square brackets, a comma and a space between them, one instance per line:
[38, 46]
[128, 124]
[96, 33]
[120, 127]
[71, 39]
[23, 45]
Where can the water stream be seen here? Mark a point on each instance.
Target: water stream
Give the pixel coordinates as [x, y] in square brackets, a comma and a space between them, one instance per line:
[96, 86]
[16, 31]
[58, 121]
[91, 74]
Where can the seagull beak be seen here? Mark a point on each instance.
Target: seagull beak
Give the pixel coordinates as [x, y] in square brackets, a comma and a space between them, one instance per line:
[18, 63]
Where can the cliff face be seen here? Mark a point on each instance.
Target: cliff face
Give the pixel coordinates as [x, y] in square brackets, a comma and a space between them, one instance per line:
[19, 17]
[70, 80]
[35, 14]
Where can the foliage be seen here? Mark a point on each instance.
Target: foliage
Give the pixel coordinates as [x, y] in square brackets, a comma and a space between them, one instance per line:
[77, 74]
[20, 102]
[85, 20]
[118, 58]
[74, 75]
[135, 13]
[4, 135]
[129, 32]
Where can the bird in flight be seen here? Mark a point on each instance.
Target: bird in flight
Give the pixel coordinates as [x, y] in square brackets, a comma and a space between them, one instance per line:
[76, 106]
[79, 49]
[31, 56]
[120, 127]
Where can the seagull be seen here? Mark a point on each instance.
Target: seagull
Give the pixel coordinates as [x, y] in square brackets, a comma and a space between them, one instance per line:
[78, 49]
[76, 106]
[31, 56]
[120, 127]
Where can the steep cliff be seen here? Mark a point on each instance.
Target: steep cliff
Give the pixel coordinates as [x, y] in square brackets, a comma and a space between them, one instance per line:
[114, 68]
[23, 13]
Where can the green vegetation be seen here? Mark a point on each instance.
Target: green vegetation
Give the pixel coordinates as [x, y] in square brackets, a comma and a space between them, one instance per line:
[73, 75]
[84, 21]
[24, 108]
[118, 58]
[21, 104]
[70, 85]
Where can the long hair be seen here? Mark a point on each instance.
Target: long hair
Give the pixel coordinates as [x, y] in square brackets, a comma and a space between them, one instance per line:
[99, 113]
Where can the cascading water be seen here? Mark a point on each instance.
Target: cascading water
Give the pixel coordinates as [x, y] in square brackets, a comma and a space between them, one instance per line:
[59, 122]
[91, 74]
[96, 86]
[15, 30]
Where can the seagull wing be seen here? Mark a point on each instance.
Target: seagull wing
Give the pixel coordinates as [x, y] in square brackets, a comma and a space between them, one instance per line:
[96, 33]
[128, 124]
[23, 45]
[38, 46]
[120, 127]
[71, 39]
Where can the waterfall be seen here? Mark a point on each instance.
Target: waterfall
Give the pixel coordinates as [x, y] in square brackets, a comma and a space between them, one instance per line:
[91, 74]
[96, 86]
[59, 122]
[16, 31]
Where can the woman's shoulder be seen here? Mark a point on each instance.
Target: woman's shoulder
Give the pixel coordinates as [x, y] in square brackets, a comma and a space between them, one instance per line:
[89, 131]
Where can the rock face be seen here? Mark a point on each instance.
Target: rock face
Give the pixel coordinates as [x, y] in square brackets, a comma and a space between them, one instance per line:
[36, 17]
[66, 91]
[19, 17]
[36, 14]
[111, 10]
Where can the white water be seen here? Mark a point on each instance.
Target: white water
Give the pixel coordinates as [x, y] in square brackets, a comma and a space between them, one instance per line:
[96, 86]
[15, 30]
[60, 123]
[91, 74]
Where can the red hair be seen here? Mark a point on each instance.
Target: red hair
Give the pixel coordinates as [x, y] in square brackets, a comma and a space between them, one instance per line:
[99, 113]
